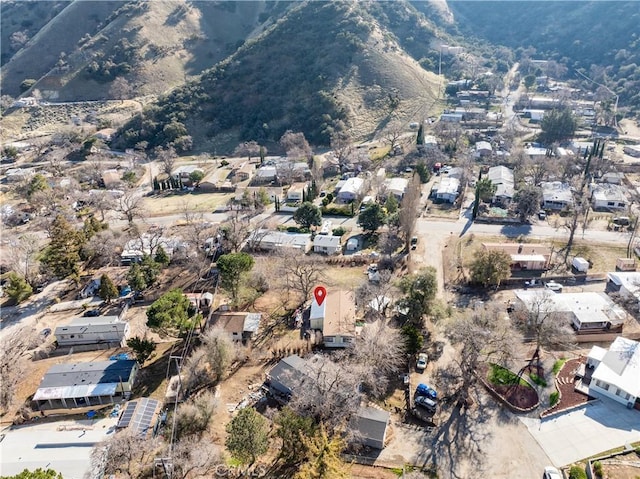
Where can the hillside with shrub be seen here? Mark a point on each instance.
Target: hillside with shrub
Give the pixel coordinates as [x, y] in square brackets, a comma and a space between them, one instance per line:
[323, 67]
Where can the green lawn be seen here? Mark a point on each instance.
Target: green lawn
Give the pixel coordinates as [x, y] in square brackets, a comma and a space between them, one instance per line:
[503, 377]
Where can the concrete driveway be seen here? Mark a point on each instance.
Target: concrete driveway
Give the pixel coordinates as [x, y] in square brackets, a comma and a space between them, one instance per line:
[586, 431]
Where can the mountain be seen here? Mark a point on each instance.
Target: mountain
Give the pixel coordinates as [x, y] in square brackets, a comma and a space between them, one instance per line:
[600, 39]
[321, 67]
[76, 50]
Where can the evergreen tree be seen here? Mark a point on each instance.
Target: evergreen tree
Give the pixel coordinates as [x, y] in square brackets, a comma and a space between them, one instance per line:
[247, 435]
[62, 255]
[308, 215]
[17, 288]
[135, 278]
[108, 290]
[371, 218]
[233, 267]
[161, 256]
[142, 348]
[420, 138]
[324, 457]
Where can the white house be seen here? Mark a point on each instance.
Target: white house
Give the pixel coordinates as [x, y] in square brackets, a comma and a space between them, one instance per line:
[430, 142]
[396, 186]
[607, 196]
[327, 244]
[586, 311]
[184, 171]
[616, 372]
[483, 148]
[107, 330]
[279, 241]
[534, 115]
[451, 117]
[502, 178]
[296, 192]
[336, 318]
[556, 195]
[627, 284]
[350, 190]
[447, 189]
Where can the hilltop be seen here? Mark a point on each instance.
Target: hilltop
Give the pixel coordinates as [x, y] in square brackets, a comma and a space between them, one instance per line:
[322, 67]
[109, 49]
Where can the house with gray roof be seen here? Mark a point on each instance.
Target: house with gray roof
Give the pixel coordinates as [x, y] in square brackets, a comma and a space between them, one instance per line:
[73, 385]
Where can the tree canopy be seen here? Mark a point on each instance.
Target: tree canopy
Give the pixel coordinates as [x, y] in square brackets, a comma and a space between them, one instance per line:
[108, 290]
[308, 215]
[142, 348]
[247, 435]
[232, 268]
[371, 218]
[62, 256]
[169, 312]
[420, 290]
[557, 125]
[528, 200]
[490, 268]
[36, 474]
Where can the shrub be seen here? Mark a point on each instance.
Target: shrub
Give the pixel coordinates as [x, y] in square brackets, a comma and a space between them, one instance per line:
[337, 210]
[557, 366]
[538, 380]
[577, 472]
[597, 468]
[339, 231]
[554, 397]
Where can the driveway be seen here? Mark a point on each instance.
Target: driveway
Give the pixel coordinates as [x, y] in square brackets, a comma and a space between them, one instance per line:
[584, 432]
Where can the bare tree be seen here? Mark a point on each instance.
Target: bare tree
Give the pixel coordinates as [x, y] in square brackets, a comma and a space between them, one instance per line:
[302, 273]
[103, 248]
[392, 134]
[193, 458]
[248, 149]
[220, 350]
[235, 230]
[14, 355]
[194, 416]
[409, 209]
[329, 392]
[376, 297]
[167, 158]
[101, 202]
[190, 216]
[540, 321]
[126, 454]
[378, 354]
[24, 256]
[296, 145]
[130, 204]
[481, 335]
[342, 146]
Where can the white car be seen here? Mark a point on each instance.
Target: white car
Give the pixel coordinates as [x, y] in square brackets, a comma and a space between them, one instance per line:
[553, 286]
[551, 472]
[421, 363]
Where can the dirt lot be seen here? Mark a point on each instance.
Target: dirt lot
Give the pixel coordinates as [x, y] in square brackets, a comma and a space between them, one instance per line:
[624, 466]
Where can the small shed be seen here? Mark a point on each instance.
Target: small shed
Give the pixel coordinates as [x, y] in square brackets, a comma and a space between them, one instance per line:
[352, 244]
[625, 264]
[581, 265]
[369, 427]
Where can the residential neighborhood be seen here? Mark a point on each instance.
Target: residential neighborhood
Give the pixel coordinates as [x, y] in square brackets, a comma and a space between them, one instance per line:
[456, 295]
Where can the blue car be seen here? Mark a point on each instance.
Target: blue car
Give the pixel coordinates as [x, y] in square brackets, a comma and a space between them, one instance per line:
[427, 391]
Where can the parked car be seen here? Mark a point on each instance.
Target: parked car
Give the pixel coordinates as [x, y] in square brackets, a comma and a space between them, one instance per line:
[44, 334]
[542, 215]
[553, 286]
[91, 313]
[414, 242]
[421, 363]
[426, 403]
[425, 390]
[533, 283]
[551, 472]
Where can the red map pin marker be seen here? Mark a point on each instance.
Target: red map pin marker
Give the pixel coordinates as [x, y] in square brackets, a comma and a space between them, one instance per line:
[320, 293]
